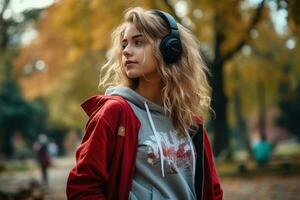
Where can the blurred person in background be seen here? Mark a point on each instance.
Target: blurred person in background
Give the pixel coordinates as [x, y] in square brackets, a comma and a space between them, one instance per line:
[42, 155]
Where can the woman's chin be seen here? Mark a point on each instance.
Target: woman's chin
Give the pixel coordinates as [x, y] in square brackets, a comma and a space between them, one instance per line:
[132, 75]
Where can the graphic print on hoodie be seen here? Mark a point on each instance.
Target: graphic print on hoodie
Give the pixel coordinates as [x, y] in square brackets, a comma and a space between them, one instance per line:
[165, 164]
[176, 151]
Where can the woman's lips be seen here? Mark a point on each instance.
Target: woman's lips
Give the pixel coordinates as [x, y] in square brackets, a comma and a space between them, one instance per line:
[128, 62]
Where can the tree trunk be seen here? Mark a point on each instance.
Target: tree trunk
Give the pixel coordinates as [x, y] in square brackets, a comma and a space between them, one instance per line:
[262, 111]
[219, 101]
[240, 121]
[3, 27]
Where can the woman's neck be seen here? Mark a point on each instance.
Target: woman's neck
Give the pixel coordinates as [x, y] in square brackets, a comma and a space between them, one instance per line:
[150, 89]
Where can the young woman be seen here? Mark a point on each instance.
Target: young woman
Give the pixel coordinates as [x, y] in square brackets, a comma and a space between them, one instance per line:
[145, 137]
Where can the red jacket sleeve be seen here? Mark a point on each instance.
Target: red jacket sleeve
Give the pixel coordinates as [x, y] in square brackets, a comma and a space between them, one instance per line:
[88, 178]
[216, 186]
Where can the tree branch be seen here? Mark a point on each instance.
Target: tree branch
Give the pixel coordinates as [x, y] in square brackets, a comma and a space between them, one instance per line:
[5, 4]
[252, 24]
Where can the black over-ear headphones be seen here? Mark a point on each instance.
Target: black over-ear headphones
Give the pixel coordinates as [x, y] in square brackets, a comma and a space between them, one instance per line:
[170, 46]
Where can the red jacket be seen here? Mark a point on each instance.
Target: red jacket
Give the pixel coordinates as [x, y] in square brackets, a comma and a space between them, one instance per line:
[105, 160]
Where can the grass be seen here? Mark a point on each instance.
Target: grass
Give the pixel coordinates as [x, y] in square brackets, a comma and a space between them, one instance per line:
[251, 169]
[285, 161]
[17, 165]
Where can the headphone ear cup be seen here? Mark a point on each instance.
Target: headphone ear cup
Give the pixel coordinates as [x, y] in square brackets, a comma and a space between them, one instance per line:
[170, 48]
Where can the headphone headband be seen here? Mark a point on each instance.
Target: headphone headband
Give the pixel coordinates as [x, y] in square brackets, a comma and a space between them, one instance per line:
[167, 18]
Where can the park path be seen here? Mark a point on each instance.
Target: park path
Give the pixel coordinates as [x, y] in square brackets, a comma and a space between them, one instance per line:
[257, 188]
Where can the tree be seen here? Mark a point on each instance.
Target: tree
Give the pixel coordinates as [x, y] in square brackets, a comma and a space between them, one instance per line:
[16, 113]
[232, 25]
[290, 110]
[289, 84]
[12, 26]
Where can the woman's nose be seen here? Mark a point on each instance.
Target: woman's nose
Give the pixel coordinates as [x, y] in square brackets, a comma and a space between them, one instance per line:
[127, 51]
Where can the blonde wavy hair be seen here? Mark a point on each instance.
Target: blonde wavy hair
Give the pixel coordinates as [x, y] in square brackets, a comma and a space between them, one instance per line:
[185, 89]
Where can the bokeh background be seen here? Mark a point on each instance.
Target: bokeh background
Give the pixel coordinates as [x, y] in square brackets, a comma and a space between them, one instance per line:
[51, 53]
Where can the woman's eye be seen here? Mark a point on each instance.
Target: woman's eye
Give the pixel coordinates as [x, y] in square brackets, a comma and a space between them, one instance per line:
[123, 46]
[138, 42]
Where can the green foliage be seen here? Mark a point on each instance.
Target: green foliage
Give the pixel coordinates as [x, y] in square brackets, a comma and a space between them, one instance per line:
[17, 114]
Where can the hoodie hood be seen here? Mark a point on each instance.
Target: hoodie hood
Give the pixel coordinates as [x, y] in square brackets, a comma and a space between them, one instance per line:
[135, 98]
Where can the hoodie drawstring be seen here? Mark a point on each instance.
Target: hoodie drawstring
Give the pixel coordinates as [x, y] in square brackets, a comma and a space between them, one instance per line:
[157, 139]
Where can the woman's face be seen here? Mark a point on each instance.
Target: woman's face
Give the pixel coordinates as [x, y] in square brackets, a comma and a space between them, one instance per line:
[137, 55]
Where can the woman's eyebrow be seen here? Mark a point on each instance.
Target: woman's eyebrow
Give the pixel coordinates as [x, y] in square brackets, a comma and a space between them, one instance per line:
[133, 37]
[136, 36]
